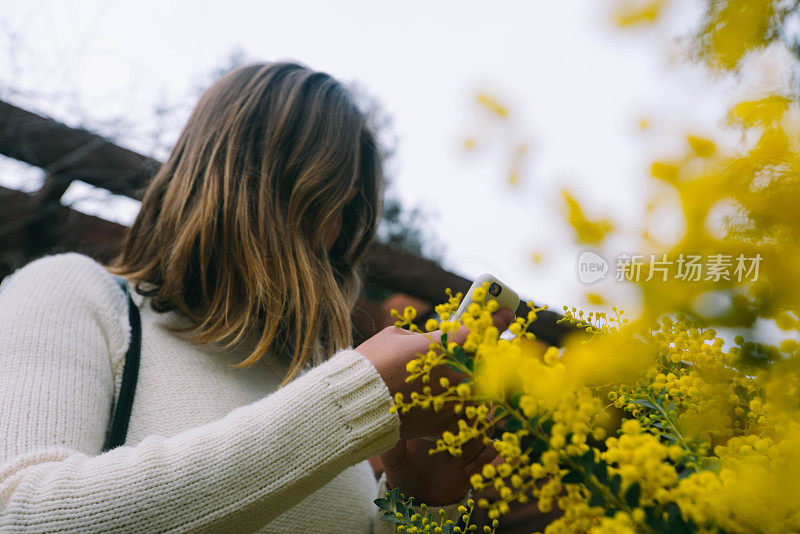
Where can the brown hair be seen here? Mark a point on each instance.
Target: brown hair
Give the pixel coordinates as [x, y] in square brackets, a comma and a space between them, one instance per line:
[231, 230]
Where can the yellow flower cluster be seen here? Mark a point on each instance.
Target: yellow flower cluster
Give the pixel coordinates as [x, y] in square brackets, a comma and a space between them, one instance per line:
[398, 509]
[658, 423]
[641, 458]
[755, 489]
[730, 29]
[684, 395]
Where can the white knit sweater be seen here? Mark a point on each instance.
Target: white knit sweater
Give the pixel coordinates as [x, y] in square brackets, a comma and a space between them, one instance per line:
[208, 448]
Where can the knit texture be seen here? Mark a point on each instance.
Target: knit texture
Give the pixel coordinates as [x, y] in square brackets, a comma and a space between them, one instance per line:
[209, 448]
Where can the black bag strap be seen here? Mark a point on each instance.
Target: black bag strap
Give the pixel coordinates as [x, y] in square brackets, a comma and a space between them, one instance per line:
[122, 410]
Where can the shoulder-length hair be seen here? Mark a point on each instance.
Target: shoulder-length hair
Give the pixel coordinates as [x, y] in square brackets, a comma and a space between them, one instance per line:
[231, 231]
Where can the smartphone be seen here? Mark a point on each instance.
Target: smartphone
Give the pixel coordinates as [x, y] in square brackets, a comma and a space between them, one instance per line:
[499, 291]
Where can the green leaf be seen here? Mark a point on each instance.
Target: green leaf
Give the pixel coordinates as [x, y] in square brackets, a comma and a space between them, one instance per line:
[633, 494]
[587, 461]
[742, 392]
[459, 355]
[646, 403]
[547, 426]
[394, 497]
[539, 446]
[512, 425]
[403, 510]
[573, 477]
[615, 482]
[676, 523]
[656, 522]
[383, 504]
[601, 472]
[596, 500]
[514, 399]
[453, 367]
[390, 517]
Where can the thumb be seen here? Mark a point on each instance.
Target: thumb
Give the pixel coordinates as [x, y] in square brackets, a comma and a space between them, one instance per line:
[460, 335]
[501, 319]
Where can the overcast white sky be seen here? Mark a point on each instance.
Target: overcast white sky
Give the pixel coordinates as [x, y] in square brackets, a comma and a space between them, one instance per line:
[576, 87]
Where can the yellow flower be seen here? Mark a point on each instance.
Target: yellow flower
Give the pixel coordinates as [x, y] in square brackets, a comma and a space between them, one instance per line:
[492, 104]
[586, 230]
[594, 298]
[479, 295]
[631, 426]
[634, 12]
[701, 146]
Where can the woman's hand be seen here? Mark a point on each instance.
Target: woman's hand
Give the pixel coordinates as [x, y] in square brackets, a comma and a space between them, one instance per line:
[392, 348]
[436, 479]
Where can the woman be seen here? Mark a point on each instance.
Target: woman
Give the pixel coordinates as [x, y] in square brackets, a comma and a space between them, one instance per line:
[252, 413]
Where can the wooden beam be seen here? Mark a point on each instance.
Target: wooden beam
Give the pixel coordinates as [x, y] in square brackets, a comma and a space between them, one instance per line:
[426, 280]
[27, 233]
[70, 154]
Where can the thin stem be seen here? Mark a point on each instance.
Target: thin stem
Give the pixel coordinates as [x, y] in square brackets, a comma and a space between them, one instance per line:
[675, 430]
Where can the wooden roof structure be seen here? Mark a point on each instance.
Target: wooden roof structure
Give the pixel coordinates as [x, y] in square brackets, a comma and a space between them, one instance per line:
[35, 224]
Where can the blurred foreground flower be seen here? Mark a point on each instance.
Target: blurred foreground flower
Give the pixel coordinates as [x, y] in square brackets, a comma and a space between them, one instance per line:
[657, 423]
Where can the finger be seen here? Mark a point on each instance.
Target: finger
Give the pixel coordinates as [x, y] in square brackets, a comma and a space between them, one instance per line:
[469, 453]
[452, 376]
[459, 336]
[503, 318]
[448, 422]
[486, 456]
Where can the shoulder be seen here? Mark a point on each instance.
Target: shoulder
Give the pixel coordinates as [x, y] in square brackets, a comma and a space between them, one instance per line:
[68, 284]
[70, 273]
[68, 262]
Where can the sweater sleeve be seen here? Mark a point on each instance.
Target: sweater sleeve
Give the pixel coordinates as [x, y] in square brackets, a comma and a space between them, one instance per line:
[59, 329]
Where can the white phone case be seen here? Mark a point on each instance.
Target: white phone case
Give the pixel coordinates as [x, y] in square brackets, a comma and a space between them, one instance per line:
[499, 291]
